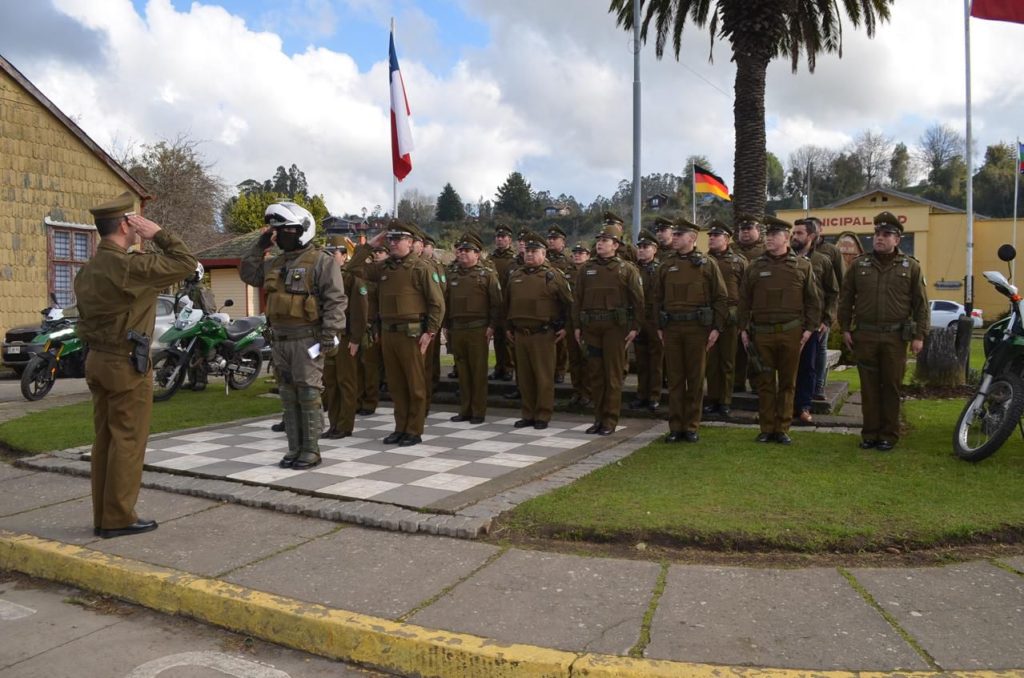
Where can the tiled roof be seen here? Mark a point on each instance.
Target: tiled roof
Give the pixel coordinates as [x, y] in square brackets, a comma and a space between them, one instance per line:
[234, 248]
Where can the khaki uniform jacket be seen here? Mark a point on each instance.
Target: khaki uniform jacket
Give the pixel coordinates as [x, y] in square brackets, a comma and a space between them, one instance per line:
[402, 285]
[609, 285]
[828, 287]
[732, 266]
[537, 296]
[688, 282]
[884, 291]
[779, 290]
[357, 314]
[116, 290]
[835, 256]
[648, 277]
[474, 294]
[503, 260]
[751, 252]
[665, 252]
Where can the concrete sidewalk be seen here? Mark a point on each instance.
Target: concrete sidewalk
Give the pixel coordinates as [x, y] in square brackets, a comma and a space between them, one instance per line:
[419, 604]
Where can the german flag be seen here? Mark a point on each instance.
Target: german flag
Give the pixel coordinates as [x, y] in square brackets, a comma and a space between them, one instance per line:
[706, 182]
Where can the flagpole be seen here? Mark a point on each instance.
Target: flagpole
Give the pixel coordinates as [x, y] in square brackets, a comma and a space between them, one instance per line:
[969, 268]
[693, 187]
[1016, 191]
[394, 179]
[637, 208]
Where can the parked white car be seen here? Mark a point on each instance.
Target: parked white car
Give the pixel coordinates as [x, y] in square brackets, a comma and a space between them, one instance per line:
[164, 319]
[947, 313]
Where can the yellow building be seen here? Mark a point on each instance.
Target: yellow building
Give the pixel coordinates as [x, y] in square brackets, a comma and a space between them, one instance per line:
[935, 234]
[51, 173]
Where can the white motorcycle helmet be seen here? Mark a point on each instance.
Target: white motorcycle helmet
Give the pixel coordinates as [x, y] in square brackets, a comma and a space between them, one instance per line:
[198, 275]
[281, 214]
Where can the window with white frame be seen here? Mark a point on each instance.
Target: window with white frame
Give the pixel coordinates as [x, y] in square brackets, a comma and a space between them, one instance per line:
[69, 249]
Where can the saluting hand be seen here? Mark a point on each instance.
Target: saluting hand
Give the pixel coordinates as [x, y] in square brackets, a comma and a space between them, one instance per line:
[143, 226]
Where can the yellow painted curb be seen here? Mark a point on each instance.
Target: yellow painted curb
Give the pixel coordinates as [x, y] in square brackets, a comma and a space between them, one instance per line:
[349, 636]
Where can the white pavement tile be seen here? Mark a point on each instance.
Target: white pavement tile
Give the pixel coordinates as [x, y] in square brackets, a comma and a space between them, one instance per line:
[346, 453]
[491, 446]
[562, 443]
[379, 419]
[454, 424]
[473, 434]
[201, 437]
[434, 464]
[542, 433]
[351, 469]
[507, 422]
[449, 481]
[267, 458]
[510, 460]
[194, 448]
[359, 488]
[186, 462]
[264, 475]
[266, 445]
[262, 423]
[351, 441]
[420, 450]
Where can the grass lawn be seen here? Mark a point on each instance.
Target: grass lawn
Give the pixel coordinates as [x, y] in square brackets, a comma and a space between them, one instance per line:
[71, 425]
[822, 493]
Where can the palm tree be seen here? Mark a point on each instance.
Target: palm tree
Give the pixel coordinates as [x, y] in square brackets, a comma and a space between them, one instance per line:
[759, 31]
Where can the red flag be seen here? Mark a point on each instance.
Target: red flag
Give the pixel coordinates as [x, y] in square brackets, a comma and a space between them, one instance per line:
[998, 10]
[401, 136]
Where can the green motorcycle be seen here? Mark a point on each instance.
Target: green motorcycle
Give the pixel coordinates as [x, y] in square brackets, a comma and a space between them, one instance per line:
[62, 353]
[210, 343]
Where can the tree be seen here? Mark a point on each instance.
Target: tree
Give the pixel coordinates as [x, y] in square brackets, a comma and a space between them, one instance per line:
[993, 184]
[775, 175]
[874, 154]
[899, 167]
[416, 207]
[758, 32]
[449, 205]
[938, 147]
[514, 198]
[188, 196]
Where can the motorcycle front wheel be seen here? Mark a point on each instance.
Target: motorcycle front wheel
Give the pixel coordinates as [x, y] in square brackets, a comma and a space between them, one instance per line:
[244, 368]
[989, 419]
[37, 378]
[168, 375]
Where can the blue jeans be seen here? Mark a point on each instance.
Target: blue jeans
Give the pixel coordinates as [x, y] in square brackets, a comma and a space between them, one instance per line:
[806, 374]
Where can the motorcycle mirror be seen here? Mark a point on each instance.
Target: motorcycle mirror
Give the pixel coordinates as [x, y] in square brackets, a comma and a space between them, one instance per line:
[1007, 252]
[53, 298]
[228, 302]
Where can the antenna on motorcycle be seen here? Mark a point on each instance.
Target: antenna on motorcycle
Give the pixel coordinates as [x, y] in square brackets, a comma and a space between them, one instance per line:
[1007, 253]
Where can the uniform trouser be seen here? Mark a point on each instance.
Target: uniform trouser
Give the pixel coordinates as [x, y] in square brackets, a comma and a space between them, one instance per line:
[469, 346]
[605, 348]
[720, 367]
[807, 374]
[535, 373]
[340, 389]
[577, 367]
[881, 362]
[434, 352]
[650, 355]
[122, 402]
[503, 352]
[741, 372]
[780, 353]
[303, 378]
[405, 369]
[368, 377]
[562, 356]
[821, 361]
[686, 353]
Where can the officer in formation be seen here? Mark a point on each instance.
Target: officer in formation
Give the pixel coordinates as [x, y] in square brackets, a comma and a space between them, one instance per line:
[411, 309]
[503, 259]
[557, 257]
[116, 293]
[609, 301]
[440, 276]
[749, 244]
[779, 309]
[883, 305]
[663, 230]
[306, 307]
[722, 356]
[803, 241]
[474, 302]
[690, 302]
[537, 305]
[369, 365]
[340, 369]
[648, 346]
[577, 361]
[838, 267]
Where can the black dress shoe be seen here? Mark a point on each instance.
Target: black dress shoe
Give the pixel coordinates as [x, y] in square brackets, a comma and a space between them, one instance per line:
[586, 402]
[278, 427]
[409, 440]
[328, 434]
[540, 425]
[138, 527]
[523, 423]
[674, 437]
[453, 375]
[342, 434]
[287, 460]
[710, 409]
[783, 439]
[724, 410]
[765, 437]
[638, 403]
[458, 417]
[653, 406]
[303, 464]
[394, 438]
[605, 431]
[885, 446]
[365, 412]
[514, 395]
[868, 444]
[690, 436]
[559, 378]
[593, 429]
[476, 420]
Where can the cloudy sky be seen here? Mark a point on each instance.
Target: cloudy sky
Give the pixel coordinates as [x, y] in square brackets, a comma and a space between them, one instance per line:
[539, 86]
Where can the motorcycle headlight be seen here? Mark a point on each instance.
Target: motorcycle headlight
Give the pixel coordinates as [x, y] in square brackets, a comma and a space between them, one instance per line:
[62, 333]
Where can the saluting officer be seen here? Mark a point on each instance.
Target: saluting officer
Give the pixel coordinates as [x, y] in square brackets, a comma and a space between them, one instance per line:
[537, 304]
[503, 258]
[648, 346]
[340, 369]
[369, 364]
[411, 309]
[608, 303]
[116, 294]
[750, 244]
[722, 356]
[883, 305]
[578, 361]
[690, 303]
[557, 258]
[779, 309]
[305, 306]
[474, 304]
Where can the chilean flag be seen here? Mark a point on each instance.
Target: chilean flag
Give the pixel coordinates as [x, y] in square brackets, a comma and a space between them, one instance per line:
[999, 10]
[401, 136]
